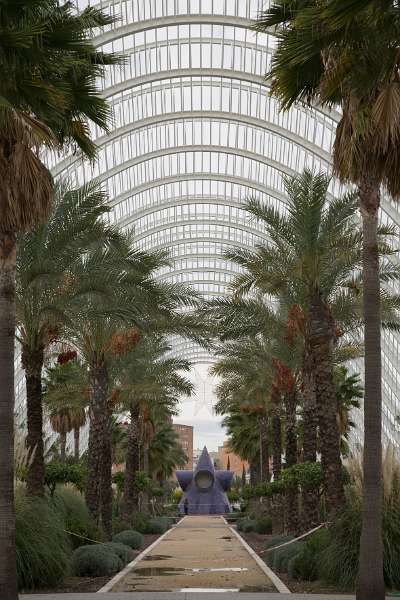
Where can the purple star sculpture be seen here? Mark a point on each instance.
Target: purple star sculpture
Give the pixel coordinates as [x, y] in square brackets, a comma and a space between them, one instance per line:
[205, 488]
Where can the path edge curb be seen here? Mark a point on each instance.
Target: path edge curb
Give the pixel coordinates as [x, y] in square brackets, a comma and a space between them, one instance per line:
[278, 583]
[108, 587]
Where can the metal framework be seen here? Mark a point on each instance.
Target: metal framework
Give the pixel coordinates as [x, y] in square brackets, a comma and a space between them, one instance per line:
[195, 133]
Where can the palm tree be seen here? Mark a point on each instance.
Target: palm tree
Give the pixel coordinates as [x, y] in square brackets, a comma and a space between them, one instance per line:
[165, 452]
[151, 385]
[65, 397]
[347, 55]
[45, 285]
[312, 252]
[49, 95]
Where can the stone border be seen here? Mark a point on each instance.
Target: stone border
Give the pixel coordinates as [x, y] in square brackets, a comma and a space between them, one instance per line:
[108, 587]
[280, 586]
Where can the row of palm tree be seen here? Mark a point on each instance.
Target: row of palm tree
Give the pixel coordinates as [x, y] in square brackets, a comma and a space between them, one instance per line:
[49, 98]
[295, 315]
[346, 55]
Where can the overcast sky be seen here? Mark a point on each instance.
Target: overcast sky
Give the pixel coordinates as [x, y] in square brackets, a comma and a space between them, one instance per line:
[198, 411]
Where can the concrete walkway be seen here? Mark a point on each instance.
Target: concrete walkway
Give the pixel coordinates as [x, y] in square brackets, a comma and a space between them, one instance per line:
[201, 554]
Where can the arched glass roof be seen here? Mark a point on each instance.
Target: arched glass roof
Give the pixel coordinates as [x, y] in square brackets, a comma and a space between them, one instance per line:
[195, 133]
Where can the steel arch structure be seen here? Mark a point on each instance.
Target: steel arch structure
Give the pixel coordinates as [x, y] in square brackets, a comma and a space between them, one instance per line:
[195, 133]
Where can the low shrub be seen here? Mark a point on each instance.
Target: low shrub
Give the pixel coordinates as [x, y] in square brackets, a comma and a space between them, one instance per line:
[140, 522]
[157, 526]
[263, 525]
[130, 538]
[277, 540]
[248, 526]
[71, 506]
[43, 548]
[95, 561]
[124, 552]
[279, 559]
[304, 566]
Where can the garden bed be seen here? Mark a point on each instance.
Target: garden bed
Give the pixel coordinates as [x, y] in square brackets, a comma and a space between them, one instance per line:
[257, 542]
[88, 584]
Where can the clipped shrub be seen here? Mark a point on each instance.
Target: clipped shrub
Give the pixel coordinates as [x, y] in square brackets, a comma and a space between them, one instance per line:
[95, 561]
[263, 525]
[71, 506]
[140, 522]
[124, 552]
[157, 526]
[279, 559]
[43, 548]
[304, 566]
[130, 538]
[248, 526]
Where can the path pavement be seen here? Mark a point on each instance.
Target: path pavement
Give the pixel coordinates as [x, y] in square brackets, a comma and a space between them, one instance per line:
[200, 554]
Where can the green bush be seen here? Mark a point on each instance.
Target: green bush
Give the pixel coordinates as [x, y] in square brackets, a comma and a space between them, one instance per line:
[304, 566]
[248, 525]
[43, 549]
[95, 561]
[130, 538]
[157, 526]
[140, 522]
[71, 506]
[263, 525]
[279, 559]
[56, 473]
[123, 551]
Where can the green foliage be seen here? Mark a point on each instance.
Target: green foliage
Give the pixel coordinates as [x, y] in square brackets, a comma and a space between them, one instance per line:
[119, 480]
[233, 496]
[130, 538]
[60, 473]
[121, 525]
[248, 525]
[95, 561]
[263, 525]
[304, 566]
[157, 525]
[43, 548]
[279, 559]
[140, 522]
[71, 506]
[124, 552]
[303, 475]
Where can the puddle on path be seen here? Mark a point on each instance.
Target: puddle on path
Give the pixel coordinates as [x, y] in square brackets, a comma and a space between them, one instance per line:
[151, 557]
[168, 571]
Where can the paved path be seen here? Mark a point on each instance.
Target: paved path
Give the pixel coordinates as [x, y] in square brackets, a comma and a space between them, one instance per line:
[200, 554]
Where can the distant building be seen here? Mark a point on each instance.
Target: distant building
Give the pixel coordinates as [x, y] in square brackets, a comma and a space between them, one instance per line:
[185, 435]
[227, 458]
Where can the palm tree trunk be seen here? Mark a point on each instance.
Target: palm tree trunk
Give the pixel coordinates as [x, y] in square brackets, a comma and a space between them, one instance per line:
[131, 494]
[276, 438]
[370, 584]
[63, 446]
[264, 448]
[291, 509]
[32, 362]
[310, 500]
[77, 434]
[98, 414]
[106, 478]
[8, 572]
[322, 335]
[255, 470]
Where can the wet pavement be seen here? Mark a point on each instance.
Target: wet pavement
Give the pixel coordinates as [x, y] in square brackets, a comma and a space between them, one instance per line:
[201, 554]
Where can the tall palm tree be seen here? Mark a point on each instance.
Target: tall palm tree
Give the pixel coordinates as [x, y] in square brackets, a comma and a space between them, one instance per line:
[65, 397]
[48, 96]
[150, 381]
[45, 286]
[165, 452]
[311, 255]
[347, 55]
